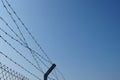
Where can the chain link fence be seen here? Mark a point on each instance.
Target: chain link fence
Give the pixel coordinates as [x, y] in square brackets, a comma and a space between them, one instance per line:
[7, 73]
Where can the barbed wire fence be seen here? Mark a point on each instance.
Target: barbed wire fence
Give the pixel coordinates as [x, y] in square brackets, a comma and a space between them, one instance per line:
[40, 60]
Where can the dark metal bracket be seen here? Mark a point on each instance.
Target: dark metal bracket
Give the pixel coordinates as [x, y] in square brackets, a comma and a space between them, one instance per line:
[49, 71]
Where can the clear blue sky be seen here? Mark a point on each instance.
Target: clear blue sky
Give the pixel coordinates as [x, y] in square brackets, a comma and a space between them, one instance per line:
[81, 36]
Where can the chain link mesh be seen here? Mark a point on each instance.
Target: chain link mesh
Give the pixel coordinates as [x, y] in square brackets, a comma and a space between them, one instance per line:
[8, 74]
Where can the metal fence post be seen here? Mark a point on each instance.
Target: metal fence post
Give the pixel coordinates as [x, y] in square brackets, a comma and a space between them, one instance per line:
[49, 71]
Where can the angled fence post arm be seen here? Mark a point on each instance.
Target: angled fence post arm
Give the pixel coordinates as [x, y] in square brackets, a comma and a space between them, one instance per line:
[49, 71]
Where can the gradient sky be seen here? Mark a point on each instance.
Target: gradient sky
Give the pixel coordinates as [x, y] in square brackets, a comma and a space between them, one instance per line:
[81, 36]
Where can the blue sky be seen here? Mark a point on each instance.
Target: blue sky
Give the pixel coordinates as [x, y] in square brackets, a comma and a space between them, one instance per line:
[81, 36]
